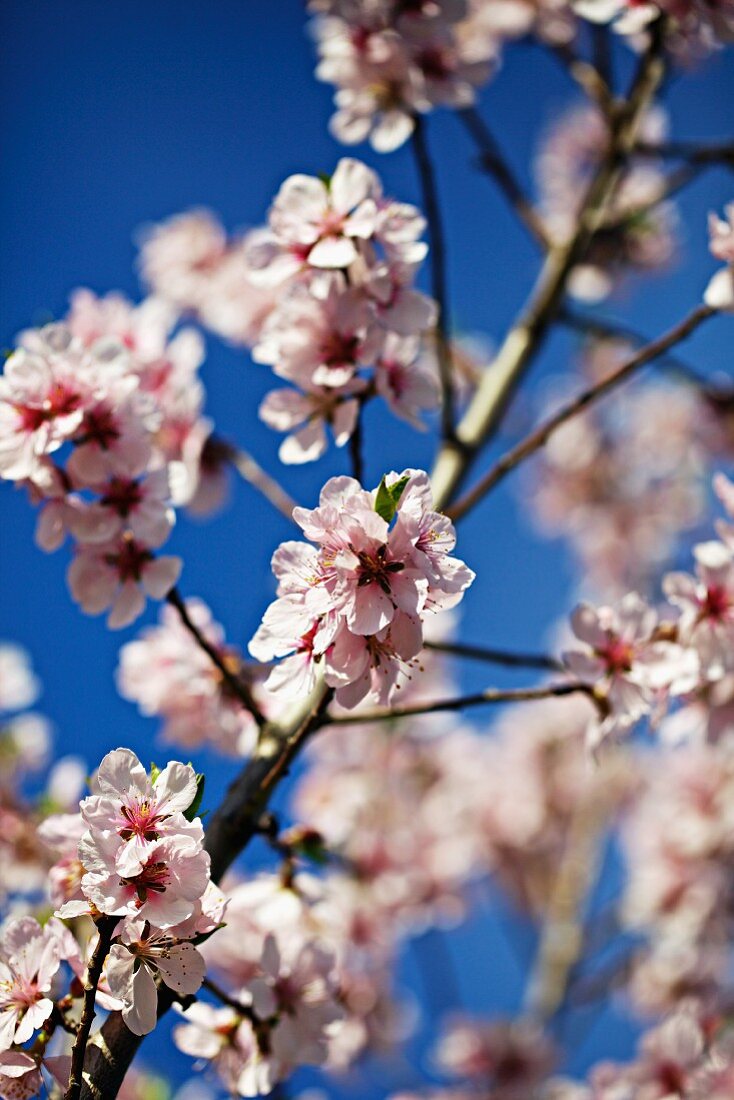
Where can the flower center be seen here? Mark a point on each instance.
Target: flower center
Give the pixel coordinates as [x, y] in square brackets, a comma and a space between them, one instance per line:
[375, 569]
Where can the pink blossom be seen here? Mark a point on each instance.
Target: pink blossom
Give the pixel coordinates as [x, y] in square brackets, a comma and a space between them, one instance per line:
[720, 290]
[706, 603]
[120, 574]
[405, 382]
[512, 1057]
[19, 688]
[136, 957]
[126, 803]
[163, 886]
[20, 1076]
[307, 415]
[29, 958]
[316, 223]
[355, 606]
[228, 1041]
[625, 660]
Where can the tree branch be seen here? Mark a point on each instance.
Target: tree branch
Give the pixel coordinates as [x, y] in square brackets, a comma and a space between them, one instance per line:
[235, 683]
[105, 930]
[494, 163]
[537, 438]
[526, 337]
[618, 330]
[491, 695]
[251, 472]
[439, 285]
[496, 656]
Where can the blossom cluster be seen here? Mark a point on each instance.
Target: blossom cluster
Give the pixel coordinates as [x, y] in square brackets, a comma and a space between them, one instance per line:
[283, 1006]
[352, 607]
[638, 661]
[694, 27]
[100, 420]
[326, 291]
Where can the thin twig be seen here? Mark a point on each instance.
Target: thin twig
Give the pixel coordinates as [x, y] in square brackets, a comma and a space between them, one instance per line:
[105, 930]
[537, 438]
[491, 695]
[246, 1011]
[526, 337]
[235, 683]
[439, 283]
[496, 656]
[251, 472]
[619, 330]
[494, 163]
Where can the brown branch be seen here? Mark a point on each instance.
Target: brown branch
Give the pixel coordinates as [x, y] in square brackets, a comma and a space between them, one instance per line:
[692, 152]
[439, 282]
[620, 331]
[246, 1011]
[235, 683]
[496, 656]
[537, 438]
[105, 930]
[491, 695]
[251, 472]
[526, 337]
[494, 163]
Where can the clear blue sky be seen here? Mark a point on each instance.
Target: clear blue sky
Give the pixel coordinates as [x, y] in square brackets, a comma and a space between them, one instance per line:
[118, 113]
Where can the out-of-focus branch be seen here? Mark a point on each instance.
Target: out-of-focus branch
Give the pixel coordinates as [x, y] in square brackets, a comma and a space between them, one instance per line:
[494, 163]
[690, 151]
[525, 338]
[562, 938]
[619, 330]
[251, 472]
[588, 77]
[496, 656]
[461, 702]
[439, 282]
[537, 438]
[235, 683]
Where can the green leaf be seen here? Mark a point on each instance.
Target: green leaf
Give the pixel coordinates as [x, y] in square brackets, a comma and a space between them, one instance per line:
[193, 810]
[325, 179]
[388, 497]
[155, 771]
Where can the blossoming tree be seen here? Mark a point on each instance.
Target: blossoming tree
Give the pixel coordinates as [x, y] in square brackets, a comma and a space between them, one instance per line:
[127, 893]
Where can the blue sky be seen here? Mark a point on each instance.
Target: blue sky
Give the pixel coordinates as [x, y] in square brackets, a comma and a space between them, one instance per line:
[117, 114]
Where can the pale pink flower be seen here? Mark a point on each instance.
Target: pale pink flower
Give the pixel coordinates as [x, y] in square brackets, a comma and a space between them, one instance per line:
[29, 958]
[405, 380]
[298, 988]
[623, 658]
[19, 687]
[307, 415]
[511, 1057]
[177, 256]
[315, 224]
[139, 506]
[128, 804]
[321, 334]
[61, 833]
[20, 1076]
[706, 603]
[163, 886]
[120, 574]
[228, 1041]
[42, 400]
[720, 291]
[137, 956]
